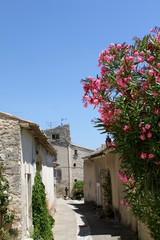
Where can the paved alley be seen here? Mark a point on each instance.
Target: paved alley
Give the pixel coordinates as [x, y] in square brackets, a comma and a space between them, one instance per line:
[75, 220]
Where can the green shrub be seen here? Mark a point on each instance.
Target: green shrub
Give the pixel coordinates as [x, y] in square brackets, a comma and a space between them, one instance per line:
[42, 220]
[78, 189]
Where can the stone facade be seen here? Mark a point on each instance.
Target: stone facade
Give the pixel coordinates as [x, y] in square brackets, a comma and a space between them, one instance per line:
[70, 157]
[23, 150]
[10, 154]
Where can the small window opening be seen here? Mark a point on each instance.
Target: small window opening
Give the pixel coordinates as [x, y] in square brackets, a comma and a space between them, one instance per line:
[75, 152]
[74, 164]
[55, 136]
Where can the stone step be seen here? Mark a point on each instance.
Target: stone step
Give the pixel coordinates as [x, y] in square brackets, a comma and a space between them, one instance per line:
[107, 237]
[116, 238]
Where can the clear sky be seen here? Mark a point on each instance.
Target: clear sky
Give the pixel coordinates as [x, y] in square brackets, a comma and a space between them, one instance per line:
[48, 46]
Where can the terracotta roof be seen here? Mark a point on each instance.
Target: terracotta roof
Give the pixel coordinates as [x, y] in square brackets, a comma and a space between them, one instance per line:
[34, 128]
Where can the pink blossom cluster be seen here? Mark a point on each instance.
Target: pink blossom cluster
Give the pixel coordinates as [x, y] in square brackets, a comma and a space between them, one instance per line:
[99, 91]
[124, 178]
[129, 81]
[145, 131]
[145, 155]
[130, 180]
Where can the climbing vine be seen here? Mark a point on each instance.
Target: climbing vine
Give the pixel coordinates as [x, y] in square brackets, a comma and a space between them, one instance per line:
[6, 216]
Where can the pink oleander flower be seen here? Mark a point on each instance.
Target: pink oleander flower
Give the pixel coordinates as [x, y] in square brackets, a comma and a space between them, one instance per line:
[122, 177]
[103, 70]
[139, 59]
[95, 101]
[151, 58]
[143, 129]
[155, 94]
[157, 79]
[133, 67]
[120, 82]
[126, 128]
[157, 111]
[136, 54]
[142, 137]
[143, 155]
[157, 163]
[147, 126]
[119, 45]
[112, 45]
[151, 72]
[150, 155]
[142, 53]
[149, 135]
[129, 58]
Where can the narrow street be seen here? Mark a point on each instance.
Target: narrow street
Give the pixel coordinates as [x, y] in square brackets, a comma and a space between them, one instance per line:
[75, 220]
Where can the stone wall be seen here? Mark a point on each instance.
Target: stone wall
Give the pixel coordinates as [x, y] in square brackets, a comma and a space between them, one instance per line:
[10, 155]
[77, 161]
[69, 156]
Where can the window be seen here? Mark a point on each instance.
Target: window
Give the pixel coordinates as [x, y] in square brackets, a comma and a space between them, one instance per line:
[74, 164]
[55, 136]
[58, 174]
[75, 154]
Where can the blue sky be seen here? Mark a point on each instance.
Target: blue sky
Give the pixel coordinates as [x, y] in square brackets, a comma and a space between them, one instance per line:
[48, 46]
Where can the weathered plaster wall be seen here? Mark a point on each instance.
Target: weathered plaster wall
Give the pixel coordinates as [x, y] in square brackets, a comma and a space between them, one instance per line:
[28, 169]
[92, 171]
[89, 181]
[48, 178]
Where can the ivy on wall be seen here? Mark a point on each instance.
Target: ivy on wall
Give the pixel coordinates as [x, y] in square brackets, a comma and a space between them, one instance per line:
[6, 216]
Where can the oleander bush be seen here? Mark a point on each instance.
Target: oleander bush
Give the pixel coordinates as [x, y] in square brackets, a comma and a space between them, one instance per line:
[127, 96]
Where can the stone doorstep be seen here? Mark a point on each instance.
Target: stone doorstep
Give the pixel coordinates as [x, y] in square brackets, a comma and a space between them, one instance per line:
[111, 238]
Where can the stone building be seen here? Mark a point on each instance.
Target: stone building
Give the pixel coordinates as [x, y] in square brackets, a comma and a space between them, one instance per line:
[24, 149]
[70, 157]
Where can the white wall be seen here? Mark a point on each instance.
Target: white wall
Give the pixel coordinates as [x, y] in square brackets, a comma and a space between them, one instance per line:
[28, 170]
